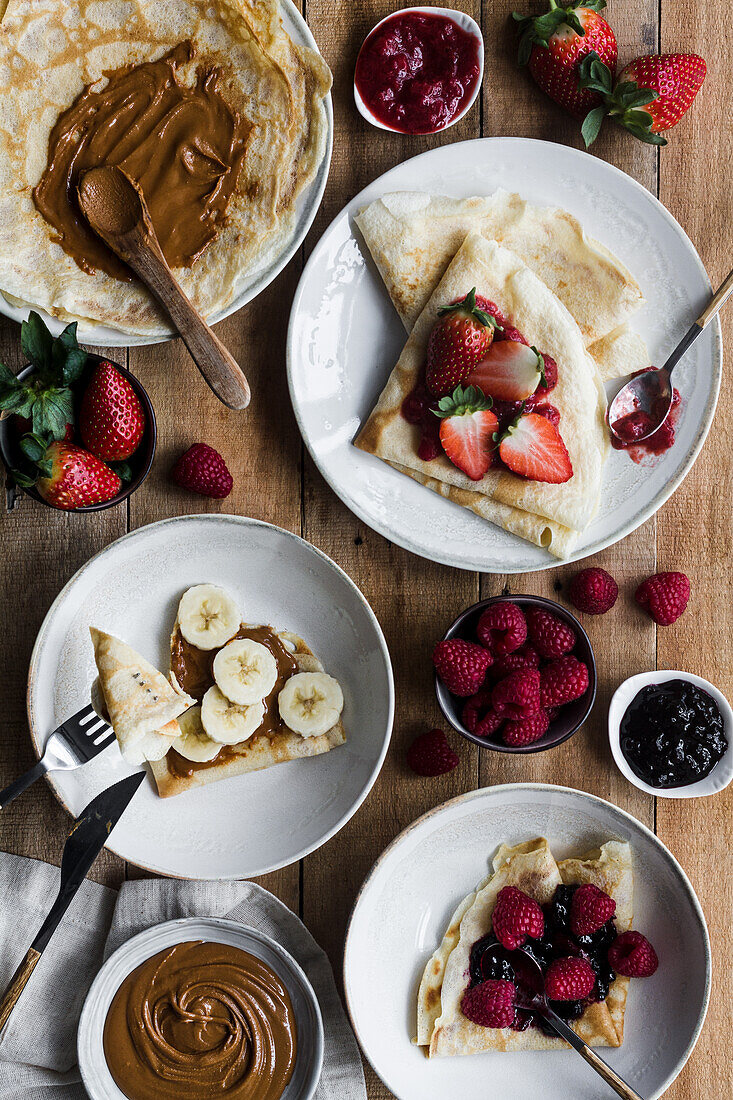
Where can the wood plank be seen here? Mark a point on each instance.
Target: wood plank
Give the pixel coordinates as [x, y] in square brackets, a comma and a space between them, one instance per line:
[695, 527]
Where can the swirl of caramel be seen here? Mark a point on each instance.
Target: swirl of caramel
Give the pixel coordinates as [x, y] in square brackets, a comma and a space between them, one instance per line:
[197, 1020]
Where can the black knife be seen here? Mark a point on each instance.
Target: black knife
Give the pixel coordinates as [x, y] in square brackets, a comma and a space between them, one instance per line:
[88, 836]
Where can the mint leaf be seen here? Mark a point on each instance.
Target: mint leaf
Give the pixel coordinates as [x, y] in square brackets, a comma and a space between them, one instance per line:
[36, 342]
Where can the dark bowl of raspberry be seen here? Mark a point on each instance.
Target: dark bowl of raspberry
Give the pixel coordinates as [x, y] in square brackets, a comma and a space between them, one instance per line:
[569, 669]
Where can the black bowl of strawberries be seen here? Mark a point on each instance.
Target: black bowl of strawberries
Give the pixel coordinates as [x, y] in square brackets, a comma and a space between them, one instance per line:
[77, 432]
[516, 674]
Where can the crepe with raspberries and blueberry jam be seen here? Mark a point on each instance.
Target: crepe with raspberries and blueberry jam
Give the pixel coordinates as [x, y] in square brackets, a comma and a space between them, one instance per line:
[574, 916]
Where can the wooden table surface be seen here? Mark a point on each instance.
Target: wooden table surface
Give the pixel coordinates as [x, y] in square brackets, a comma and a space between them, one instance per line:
[275, 480]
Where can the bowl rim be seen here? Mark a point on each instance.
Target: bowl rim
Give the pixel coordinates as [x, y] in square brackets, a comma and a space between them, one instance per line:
[134, 484]
[442, 693]
[626, 692]
[467, 23]
[91, 1026]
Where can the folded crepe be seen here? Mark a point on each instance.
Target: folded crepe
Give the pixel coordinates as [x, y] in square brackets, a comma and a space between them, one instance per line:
[531, 867]
[141, 704]
[548, 515]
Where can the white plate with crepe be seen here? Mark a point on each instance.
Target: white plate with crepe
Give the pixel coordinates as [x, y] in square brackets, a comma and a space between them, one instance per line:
[262, 273]
[247, 824]
[345, 337]
[405, 906]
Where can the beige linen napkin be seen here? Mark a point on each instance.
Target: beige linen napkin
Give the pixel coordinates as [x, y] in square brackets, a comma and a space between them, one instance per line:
[38, 1046]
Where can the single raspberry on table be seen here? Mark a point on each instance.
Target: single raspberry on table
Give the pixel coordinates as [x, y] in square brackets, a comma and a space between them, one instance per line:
[590, 909]
[569, 979]
[202, 470]
[430, 754]
[593, 591]
[526, 730]
[664, 596]
[516, 916]
[517, 695]
[502, 628]
[562, 681]
[490, 1004]
[549, 634]
[524, 657]
[461, 665]
[632, 955]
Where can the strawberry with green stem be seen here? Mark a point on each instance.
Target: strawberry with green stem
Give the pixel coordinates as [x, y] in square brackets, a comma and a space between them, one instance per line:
[649, 96]
[67, 476]
[459, 340]
[467, 428]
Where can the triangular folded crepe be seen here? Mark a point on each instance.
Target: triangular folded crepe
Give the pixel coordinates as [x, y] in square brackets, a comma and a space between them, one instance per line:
[549, 515]
[442, 1027]
[141, 704]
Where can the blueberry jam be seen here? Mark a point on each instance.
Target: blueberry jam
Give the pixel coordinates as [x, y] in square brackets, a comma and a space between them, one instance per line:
[672, 734]
[490, 960]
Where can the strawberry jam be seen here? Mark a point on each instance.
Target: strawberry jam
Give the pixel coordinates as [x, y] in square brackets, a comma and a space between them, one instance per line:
[633, 426]
[417, 71]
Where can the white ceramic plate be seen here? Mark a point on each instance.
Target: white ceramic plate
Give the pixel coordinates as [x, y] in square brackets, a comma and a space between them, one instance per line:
[249, 824]
[345, 337]
[308, 203]
[406, 902]
[97, 1079]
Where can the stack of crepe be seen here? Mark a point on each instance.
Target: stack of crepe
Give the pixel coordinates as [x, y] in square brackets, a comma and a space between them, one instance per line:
[565, 292]
[441, 1026]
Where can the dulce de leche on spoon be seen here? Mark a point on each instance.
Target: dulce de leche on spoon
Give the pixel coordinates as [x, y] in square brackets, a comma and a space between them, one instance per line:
[116, 210]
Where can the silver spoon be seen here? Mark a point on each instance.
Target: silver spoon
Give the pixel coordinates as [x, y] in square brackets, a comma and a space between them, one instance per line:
[537, 1002]
[650, 393]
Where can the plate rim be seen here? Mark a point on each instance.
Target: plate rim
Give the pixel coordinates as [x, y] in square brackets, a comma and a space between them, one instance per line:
[90, 331]
[473, 564]
[245, 521]
[237, 928]
[488, 792]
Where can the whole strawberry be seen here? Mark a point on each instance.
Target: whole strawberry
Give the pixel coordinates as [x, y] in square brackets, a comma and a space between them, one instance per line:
[516, 916]
[202, 470]
[111, 418]
[552, 45]
[74, 478]
[649, 96]
[664, 596]
[458, 342]
[461, 665]
[431, 755]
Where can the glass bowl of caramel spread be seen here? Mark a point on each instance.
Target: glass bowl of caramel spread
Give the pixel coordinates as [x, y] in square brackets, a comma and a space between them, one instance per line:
[196, 1008]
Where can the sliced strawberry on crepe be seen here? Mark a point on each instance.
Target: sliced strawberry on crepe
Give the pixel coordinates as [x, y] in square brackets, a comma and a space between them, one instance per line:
[467, 430]
[509, 371]
[533, 448]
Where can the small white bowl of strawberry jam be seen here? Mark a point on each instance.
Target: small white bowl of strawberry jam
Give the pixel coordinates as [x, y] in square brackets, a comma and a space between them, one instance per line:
[419, 70]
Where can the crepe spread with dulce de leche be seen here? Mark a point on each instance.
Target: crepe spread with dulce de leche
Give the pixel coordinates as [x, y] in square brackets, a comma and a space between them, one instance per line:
[240, 697]
[207, 104]
[442, 1028]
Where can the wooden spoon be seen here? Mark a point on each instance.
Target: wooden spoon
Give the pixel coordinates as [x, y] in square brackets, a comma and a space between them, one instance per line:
[115, 208]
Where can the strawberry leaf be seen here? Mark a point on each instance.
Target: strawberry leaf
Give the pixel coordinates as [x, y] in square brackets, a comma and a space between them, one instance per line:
[23, 480]
[33, 446]
[468, 305]
[122, 469]
[68, 358]
[52, 410]
[592, 123]
[461, 401]
[36, 343]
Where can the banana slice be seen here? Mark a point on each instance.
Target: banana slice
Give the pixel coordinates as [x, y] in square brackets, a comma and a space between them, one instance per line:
[311, 703]
[245, 671]
[194, 742]
[227, 722]
[208, 616]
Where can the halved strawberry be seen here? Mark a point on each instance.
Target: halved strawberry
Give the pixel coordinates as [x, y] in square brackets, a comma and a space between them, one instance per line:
[533, 448]
[509, 371]
[467, 430]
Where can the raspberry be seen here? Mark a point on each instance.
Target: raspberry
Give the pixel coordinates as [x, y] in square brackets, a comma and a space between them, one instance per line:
[502, 628]
[490, 1004]
[549, 412]
[517, 695]
[526, 730]
[664, 596]
[524, 657]
[551, 636]
[515, 917]
[202, 470]
[562, 681]
[489, 724]
[590, 909]
[430, 754]
[552, 713]
[474, 708]
[632, 955]
[569, 979]
[550, 380]
[461, 665]
[593, 591]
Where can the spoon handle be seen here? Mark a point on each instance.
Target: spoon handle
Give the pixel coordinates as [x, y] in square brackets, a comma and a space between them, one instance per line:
[721, 296]
[219, 368]
[594, 1060]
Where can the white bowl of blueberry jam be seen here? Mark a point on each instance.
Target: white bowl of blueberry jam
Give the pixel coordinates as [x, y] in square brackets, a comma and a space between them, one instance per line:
[671, 734]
